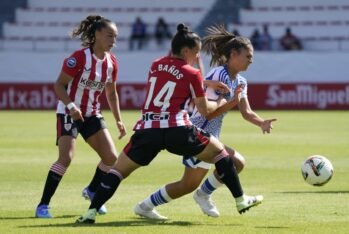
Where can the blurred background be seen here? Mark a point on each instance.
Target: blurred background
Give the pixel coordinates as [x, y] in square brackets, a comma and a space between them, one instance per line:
[301, 47]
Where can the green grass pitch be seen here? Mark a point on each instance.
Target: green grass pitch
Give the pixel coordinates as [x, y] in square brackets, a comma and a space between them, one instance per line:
[27, 149]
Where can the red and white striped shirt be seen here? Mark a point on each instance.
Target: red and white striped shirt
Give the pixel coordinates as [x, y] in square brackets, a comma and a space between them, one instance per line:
[90, 75]
[171, 82]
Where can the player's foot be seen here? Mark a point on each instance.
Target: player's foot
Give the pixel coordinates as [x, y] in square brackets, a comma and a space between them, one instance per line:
[206, 204]
[88, 217]
[88, 195]
[42, 211]
[248, 202]
[148, 213]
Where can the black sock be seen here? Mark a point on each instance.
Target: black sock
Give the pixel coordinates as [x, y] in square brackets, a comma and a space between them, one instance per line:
[96, 180]
[51, 185]
[105, 190]
[228, 174]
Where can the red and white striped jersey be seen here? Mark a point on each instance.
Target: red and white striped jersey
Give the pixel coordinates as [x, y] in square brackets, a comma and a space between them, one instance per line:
[171, 82]
[90, 75]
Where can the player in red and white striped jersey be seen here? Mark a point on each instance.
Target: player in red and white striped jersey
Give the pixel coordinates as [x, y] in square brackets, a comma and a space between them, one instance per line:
[84, 76]
[165, 125]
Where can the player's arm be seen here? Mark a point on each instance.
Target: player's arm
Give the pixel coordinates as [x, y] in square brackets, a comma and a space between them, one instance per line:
[227, 106]
[222, 109]
[252, 117]
[206, 107]
[203, 105]
[216, 85]
[61, 92]
[113, 101]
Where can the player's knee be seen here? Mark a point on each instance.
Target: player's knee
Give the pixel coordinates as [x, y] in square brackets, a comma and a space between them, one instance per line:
[239, 161]
[109, 159]
[239, 165]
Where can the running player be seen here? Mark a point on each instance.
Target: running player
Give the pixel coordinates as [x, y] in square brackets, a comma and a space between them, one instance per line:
[165, 124]
[232, 54]
[84, 76]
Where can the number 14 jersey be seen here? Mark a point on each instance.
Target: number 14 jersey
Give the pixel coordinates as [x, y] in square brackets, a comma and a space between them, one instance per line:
[171, 82]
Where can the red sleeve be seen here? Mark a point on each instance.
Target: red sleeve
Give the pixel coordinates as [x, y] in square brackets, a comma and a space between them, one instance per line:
[197, 85]
[74, 63]
[115, 68]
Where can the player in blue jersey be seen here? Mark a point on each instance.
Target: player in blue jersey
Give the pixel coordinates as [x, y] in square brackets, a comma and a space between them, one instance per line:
[232, 54]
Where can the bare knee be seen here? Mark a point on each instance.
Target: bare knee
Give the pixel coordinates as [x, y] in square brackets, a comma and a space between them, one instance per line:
[109, 159]
[65, 160]
[239, 161]
[239, 165]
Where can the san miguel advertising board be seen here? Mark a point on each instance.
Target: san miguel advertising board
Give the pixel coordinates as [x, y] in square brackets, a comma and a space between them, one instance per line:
[275, 96]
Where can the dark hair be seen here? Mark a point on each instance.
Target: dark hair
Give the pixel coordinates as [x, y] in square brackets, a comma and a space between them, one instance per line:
[184, 38]
[87, 28]
[219, 43]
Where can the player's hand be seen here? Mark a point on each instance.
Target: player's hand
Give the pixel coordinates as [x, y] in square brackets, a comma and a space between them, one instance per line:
[221, 100]
[237, 92]
[76, 114]
[121, 128]
[266, 126]
[217, 86]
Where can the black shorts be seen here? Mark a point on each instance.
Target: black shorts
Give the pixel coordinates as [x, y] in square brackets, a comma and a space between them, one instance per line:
[145, 144]
[67, 127]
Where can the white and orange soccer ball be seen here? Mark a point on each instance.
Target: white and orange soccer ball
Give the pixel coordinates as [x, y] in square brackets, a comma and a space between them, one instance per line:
[317, 170]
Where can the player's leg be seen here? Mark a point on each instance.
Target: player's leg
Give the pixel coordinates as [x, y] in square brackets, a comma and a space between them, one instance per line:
[202, 196]
[66, 134]
[138, 152]
[124, 167]
[213, 182]
[215, 152]
[102, 143]
[190, 180]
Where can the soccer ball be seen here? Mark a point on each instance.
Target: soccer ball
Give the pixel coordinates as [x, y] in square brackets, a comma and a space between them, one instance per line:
[317, 170]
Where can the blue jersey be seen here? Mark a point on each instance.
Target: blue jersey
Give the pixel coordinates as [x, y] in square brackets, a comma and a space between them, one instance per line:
[218, 74]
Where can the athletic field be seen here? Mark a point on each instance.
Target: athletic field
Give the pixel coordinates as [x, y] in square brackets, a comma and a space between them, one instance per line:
[27, 149]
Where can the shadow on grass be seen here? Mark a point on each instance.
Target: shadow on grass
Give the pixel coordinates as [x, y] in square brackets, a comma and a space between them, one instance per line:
[134, 222]
[32, 217]
[271, 227]
[318, 192]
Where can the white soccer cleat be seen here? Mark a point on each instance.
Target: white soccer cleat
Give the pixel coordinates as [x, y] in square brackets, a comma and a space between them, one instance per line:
[150, 214]
[206, 204]
[248, 202]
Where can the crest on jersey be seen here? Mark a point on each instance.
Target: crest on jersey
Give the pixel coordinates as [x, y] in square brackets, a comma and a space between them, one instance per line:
[71, 62]
[67, 126]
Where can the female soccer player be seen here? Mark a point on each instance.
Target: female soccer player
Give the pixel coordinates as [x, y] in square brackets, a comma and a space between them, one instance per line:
[165, 124]
[84, 76]
[232, 54]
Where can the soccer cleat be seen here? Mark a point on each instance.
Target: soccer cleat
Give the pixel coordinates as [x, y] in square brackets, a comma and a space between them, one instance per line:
[248, 202]
[148, 213]
[88, 217]
[42, 212]
[206, 204]
[88, 195]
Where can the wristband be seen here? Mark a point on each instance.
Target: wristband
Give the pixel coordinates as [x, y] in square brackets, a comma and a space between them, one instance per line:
[71, 105]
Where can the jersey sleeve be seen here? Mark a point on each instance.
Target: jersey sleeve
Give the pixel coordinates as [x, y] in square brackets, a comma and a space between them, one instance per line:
[243, 82]
[196, 86]
[244, 92]
[114, 74]
[74, 63]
